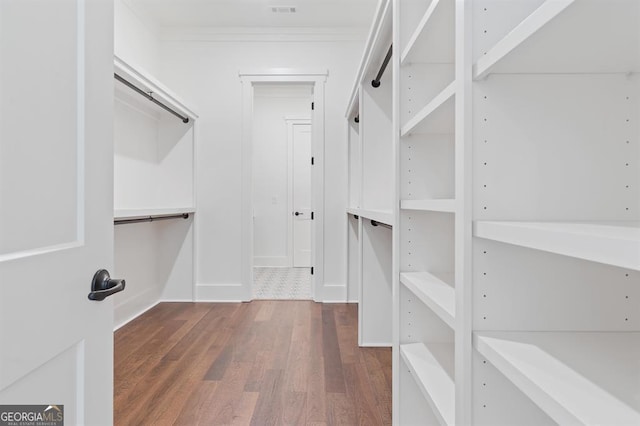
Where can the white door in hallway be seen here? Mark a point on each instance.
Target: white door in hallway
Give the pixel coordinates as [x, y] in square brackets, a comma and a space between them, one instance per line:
[301, 195]
[56, 208]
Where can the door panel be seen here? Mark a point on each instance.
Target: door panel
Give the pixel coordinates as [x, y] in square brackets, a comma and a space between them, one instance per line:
[56, 205]
[302, 195]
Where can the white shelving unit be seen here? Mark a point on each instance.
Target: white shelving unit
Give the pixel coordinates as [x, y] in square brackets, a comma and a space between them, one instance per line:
[371, 211]
[153, 179]
[556, 243]
[516, 243]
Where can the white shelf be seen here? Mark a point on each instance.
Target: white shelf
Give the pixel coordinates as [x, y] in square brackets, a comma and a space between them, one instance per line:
[382, 216]
[429, 109]
[539, 18]
[434, 31]
[575, 378]
[147, 83]
[434, 376]
[138, 213]
[433, 292]
[615, 243]
[541, 43]
[433, 205]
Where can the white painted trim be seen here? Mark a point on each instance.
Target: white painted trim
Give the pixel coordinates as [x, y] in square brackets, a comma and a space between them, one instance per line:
[283, 74]
[131, 318]
[262, 34]
[278, 75]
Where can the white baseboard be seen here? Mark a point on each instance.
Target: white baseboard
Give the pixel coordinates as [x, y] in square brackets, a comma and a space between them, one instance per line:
[334, 293]
[220, 293]
[130, 318]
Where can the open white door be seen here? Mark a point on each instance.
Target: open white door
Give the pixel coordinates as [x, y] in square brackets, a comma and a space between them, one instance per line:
[56, 208]
[301, 195]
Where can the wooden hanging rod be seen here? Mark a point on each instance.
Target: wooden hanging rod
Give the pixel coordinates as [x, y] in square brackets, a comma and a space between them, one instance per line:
[150, 219]
[150, 97]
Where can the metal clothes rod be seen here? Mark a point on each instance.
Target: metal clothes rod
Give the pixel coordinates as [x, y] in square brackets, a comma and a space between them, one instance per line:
[376, 82]
[384, 225]
[150, 97]
[150, 219]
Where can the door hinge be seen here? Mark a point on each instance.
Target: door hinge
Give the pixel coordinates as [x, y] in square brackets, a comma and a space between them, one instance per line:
[312, 216]
[313, 106]
[312, 161]
[312, 270]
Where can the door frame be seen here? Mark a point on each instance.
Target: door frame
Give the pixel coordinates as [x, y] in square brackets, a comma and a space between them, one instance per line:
[316, 79]
[291, 121]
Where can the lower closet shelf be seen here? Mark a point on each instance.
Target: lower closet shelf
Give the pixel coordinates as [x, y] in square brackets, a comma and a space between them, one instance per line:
[434, 376]
[574, 377]
[433, 292]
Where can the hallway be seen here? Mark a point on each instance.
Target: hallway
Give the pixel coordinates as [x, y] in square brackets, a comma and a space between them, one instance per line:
[260, 363]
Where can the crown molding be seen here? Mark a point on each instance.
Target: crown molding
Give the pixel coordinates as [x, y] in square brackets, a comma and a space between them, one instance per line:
[262, 34]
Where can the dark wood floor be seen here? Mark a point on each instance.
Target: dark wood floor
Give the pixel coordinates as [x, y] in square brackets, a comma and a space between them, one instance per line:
[258, 363]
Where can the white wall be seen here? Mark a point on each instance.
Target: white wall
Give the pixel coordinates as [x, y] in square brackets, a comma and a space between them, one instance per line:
[206, 73]
[135, 37]
[271, 169]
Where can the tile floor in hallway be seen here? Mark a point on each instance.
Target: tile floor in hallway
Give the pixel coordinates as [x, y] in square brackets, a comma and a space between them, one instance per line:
[281, 283]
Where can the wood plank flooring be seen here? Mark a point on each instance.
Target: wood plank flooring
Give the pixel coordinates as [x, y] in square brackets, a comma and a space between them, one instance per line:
[258, 363]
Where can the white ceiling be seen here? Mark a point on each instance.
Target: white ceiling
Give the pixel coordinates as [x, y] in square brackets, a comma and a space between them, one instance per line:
[257, 13]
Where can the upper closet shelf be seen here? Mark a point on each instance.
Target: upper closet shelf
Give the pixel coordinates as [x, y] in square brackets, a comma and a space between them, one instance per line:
[150, 85]
[433, 40]
[432, 369]
[616, 244]
[436, 117]
[381, 216]
[138, 213]
[433, 205]
[374, 51]
[575, 378]
[540, 43]
[439, 296]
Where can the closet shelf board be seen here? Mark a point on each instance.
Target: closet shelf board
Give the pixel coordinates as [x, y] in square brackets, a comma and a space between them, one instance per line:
[433, 292]
[575, 378]
[422, 31]
[534, 22]
[434, 378]
[433, 205]
[611, 243]
[428, 109]
[380, 30]
[137, 213]
[382, 216]
[148, 83]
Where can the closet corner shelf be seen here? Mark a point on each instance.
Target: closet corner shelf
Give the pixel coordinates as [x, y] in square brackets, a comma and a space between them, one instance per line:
[538, 19]
[435, 379]
[439, 296]
[382, 216]
[146, 82]
[138, 213]
[438, 101]
[576, 378]
[434, 205]
[611, 243]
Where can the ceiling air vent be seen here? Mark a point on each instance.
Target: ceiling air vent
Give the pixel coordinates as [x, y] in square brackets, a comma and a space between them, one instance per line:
[283, 9]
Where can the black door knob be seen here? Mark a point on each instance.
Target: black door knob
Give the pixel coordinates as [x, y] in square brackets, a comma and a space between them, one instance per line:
[297, 213]
[103, 286]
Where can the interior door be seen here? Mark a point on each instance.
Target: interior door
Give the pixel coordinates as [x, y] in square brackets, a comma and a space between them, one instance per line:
[56, 206]
[302, 195]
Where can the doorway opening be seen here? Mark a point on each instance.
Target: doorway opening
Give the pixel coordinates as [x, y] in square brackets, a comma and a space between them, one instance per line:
[282, 191]
[283, 146]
